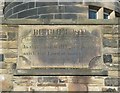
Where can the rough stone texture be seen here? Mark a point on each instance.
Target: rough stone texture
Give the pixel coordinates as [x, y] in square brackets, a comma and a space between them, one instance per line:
[6, 82]
[31, 83]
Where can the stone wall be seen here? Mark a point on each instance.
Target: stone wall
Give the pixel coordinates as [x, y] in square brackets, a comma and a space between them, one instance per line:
[8, 60]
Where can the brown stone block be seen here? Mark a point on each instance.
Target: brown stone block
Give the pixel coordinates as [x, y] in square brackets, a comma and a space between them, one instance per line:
[107, 29]
[3, 44]
[12, 44]
[11, 60]
[11, 53]
[77, 87]
[113, 73]
[6, 28]
[115, 60]
[5, 71]
[3, 65]
[96, 81]
[5, 81]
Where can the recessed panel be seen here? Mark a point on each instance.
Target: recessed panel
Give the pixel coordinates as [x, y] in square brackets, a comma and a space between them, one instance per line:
[58, 46]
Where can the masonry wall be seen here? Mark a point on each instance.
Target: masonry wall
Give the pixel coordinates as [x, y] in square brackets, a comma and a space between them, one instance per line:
[8, 60]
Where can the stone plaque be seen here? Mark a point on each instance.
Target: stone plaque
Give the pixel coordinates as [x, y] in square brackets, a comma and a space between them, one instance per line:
[59, 46]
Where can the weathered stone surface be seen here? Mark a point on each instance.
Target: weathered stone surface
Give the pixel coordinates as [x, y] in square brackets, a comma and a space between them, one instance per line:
[4, 44]
[30, 82]
[3, 65]
[6, 83]
[77, 87]
[58, 45]
[57, 71]
[3, 71]
[114, 73]
[13, 60]
[60, 21]
[12, 36]
[12, 45]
